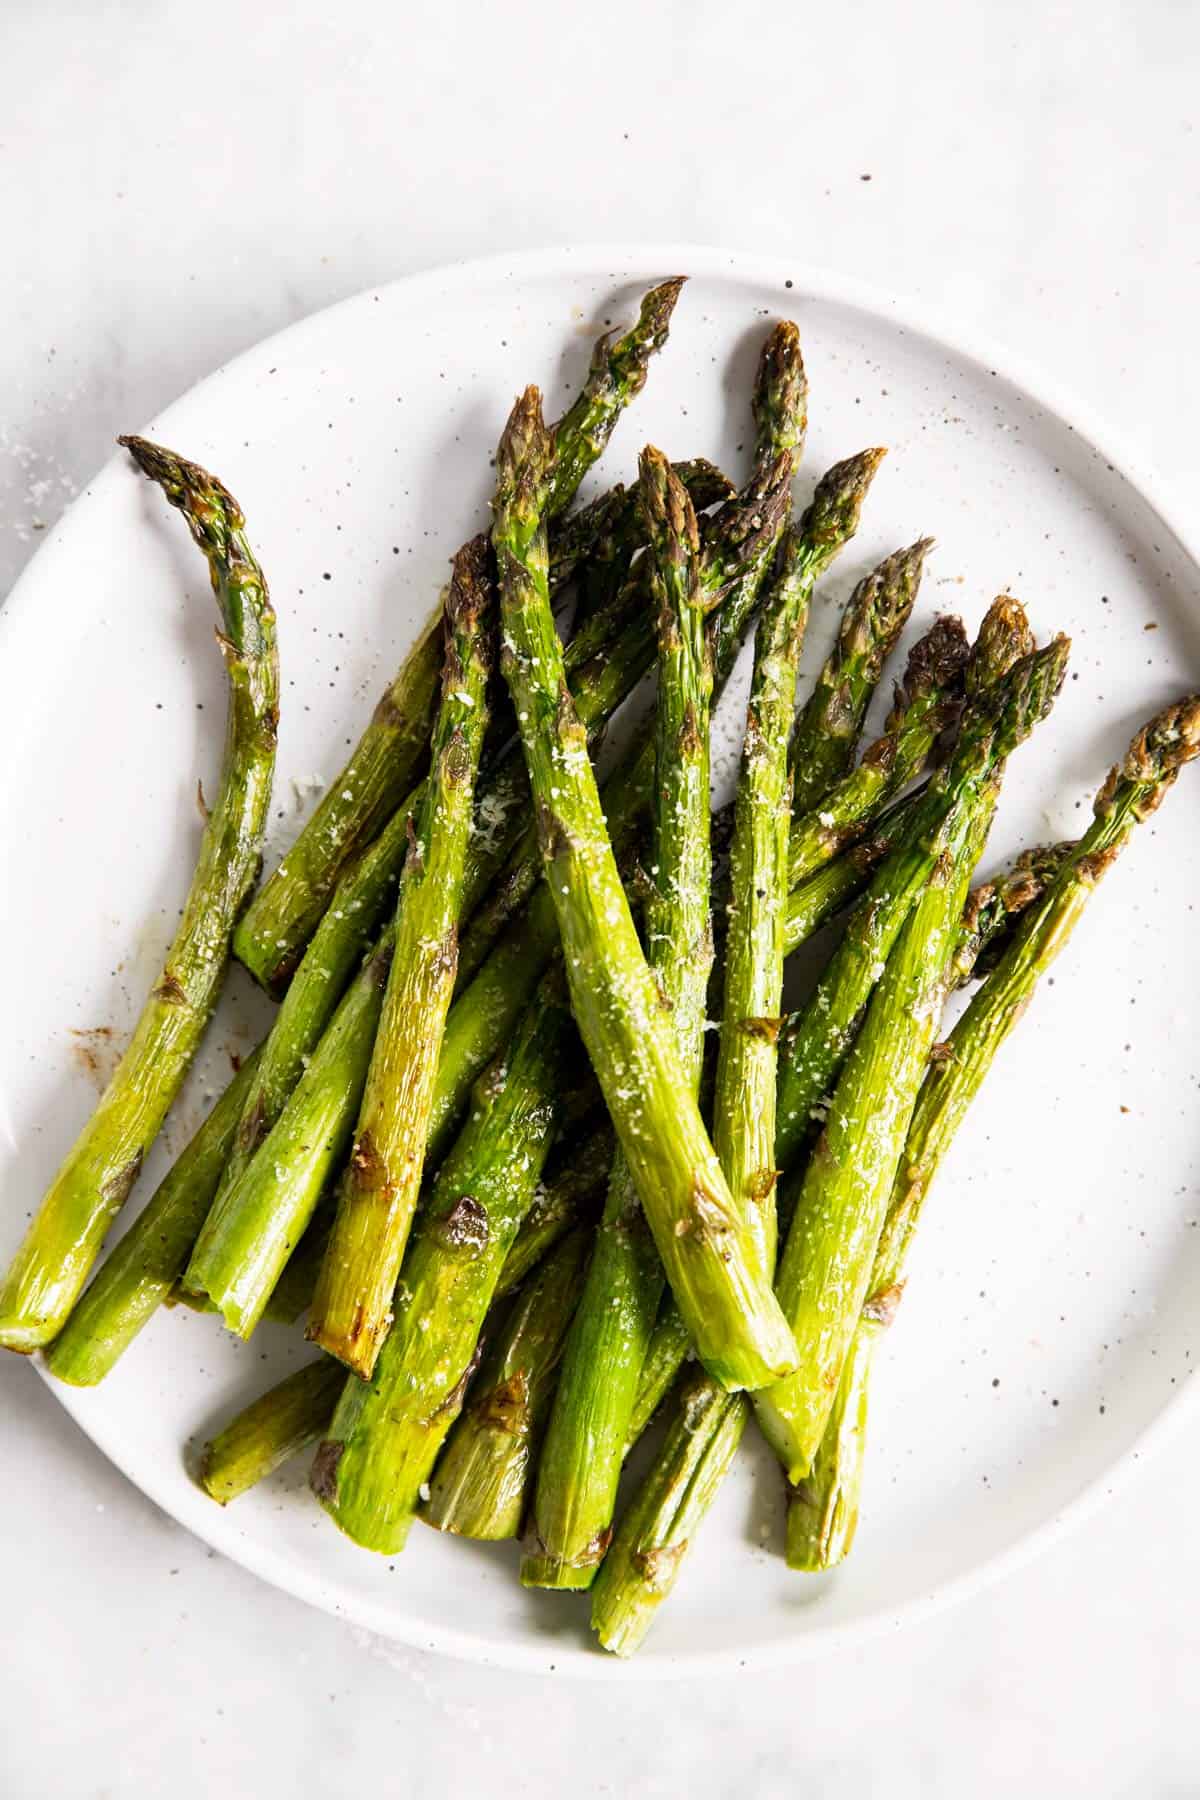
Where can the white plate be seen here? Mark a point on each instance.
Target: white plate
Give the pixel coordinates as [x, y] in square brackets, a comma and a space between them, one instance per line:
[1049, 1317]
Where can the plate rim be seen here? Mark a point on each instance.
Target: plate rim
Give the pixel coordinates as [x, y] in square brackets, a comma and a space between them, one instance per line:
[806, 281]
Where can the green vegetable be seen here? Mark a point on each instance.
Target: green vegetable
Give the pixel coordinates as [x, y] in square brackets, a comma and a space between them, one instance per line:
[480, 1487]
[817, 1042]
[926, 703]
[387, 1432]
[727, 1302]
[589, 1422]
[138, 1275]
[350, 1311]
[60, 1247]
[278, 1425]
[829, 724]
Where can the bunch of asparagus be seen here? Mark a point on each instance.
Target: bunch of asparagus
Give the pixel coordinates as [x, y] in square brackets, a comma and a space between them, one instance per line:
[483, 1145]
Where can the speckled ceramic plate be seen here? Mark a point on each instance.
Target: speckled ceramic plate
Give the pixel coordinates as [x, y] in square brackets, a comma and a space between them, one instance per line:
[1051, 1308]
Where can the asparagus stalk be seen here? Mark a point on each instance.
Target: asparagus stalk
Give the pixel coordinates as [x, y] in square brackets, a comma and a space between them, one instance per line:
[61, 1245]
[823, 1506]
[673, 1499]
[817, 1043]
[841, 1195]
[823, 1512]
[670, 1506]
[926, 703]
[829, 724]
[378, 1195]
[660, 1523]
[619, 367]
[138, 1275]
[386, 1432]
[589, 1420]
[744, 1106]
[286, 1419]
[733, 1316]
[388, 757]
[481, 1483]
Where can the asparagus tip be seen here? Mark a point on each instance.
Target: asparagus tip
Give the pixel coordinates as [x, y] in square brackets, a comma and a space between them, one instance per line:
[1032, 688]
[669, 511]
[1159, 750]
[469, 594]
[526, 448]
[936, 660]
[832, 514]
[185, 484]
[1004, 637]
[779, 403]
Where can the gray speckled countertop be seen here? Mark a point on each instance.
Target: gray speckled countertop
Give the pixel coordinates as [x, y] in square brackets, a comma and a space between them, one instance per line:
[176, 185]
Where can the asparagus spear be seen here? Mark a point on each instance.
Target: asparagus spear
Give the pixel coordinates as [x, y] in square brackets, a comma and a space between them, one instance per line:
[589, 1421]
[378, 1194]
[841, 1194]
[386, 1432]
[727, 1303]
[62, 1243]
[823, 1506]
[828, 727]
[662, 1519]
[481, 1483]
[823, 1512]
[619, 367]
[744, 1106]
[817, 1042]
[140, 1272]
[926, 703]
[388, 757]
[278, 1425]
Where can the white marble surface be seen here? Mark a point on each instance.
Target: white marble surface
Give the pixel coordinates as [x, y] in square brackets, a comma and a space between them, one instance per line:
[177, 182]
